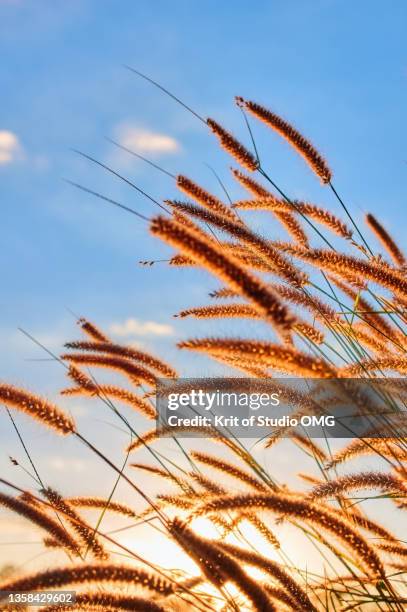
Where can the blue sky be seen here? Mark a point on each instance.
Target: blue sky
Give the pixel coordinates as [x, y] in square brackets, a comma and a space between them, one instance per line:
[336, 69]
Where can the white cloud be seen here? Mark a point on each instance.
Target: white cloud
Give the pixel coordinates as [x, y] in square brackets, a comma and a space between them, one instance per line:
[145, 141]
[134, 327]
[10, 147]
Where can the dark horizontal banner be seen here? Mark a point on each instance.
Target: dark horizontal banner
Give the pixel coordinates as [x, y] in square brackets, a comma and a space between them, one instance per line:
[258, 408]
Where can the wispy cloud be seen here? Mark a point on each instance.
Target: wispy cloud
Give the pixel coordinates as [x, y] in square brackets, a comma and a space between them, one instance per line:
[134, 327]
[146, 141]
[10, 147]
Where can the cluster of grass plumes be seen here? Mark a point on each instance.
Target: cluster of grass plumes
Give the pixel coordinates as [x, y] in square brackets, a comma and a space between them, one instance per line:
[323, 311]
[313, 513]
[85, 533]
[137, 366]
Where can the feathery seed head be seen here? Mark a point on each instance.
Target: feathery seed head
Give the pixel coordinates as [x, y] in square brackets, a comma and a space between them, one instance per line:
[38, 408]
[233, 146]
[386, 240]
[303, 146]
[203, 197]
